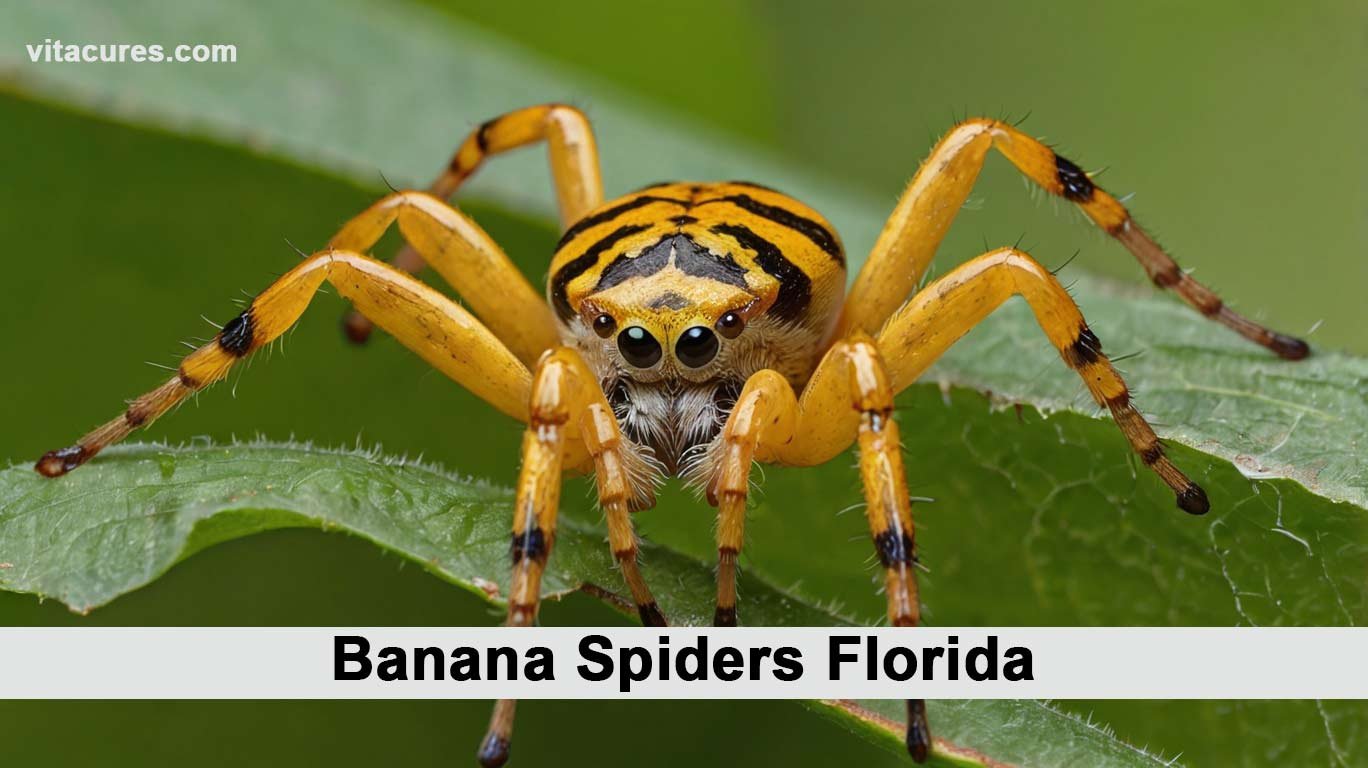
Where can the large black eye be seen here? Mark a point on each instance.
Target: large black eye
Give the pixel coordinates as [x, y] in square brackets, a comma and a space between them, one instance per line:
[638, 347]
[696, 347]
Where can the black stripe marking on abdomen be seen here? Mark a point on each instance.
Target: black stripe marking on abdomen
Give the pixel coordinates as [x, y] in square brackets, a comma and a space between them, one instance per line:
[795, 287]
[696, 261]
[647, 263]
[583, 263]
[689, 257]
[609, 214]
[818, 234]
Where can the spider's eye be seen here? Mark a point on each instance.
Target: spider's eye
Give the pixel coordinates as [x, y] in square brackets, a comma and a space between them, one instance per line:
[696, 347]
[730, 325]
[638, 347]
[604, 325]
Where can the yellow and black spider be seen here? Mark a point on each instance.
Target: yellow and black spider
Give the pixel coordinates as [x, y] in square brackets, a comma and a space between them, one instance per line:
[691, 329]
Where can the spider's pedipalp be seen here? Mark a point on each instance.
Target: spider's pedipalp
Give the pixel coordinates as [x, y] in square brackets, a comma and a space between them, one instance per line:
[764, 414]
[614, 482]
[569, 421]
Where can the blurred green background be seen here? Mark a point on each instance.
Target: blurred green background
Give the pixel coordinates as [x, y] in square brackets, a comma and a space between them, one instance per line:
[1236, 125]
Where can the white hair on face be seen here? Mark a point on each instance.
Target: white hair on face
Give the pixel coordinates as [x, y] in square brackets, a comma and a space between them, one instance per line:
[671, 426]
[666, 422]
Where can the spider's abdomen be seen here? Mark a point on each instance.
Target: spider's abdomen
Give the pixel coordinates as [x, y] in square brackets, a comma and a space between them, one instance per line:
[678, 257]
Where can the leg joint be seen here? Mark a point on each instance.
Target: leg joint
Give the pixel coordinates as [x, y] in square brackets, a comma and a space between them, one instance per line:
[236, 338]
[1085, 350]
[1152, 453]
[186, 380]
[1074, 183]
[1119, 402]
[894, 548]
[532, 544]
[1167, 276]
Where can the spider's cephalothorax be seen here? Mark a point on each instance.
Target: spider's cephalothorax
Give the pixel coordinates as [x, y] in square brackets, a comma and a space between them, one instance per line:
[691, 330]
[675, 295]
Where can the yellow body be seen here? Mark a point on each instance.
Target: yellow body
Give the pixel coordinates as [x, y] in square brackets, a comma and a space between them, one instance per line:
[691, 329]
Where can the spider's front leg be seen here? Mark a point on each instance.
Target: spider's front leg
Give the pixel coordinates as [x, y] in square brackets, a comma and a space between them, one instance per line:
[763, 416]
[569, 423]
[422, 319]
[849, 397]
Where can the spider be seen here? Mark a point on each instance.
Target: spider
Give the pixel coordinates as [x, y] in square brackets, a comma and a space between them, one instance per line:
[689, 330]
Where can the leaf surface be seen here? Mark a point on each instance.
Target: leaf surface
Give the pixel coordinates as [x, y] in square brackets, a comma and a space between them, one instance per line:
[97, 534]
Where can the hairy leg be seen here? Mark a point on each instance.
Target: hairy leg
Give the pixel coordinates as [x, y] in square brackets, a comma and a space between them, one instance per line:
[568, 417]
[422, 319]
[770, 423]
[468, 259]
[929, 204]
[947, 309]
[573, 156]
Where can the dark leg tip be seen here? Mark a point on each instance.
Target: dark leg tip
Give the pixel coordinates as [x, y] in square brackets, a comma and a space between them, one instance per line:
[651, 616]
[1289, 347]
[58, 463]
[357, 327]
[493, 751]
[1193, 500]
[724, 617]
[918, 732]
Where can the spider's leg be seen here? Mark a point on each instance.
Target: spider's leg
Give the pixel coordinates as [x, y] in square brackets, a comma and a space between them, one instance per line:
[534, 521]
[570, 147]
[763, 416]
[568, 421]
[572, 152]
[849, 397]
[947, 309]
[603, 438]
[469, 259]
[934, 196]
[888, 506]
[422, 319]
[853, 381]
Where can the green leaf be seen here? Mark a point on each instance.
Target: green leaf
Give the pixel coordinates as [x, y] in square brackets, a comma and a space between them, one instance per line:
[96, 534]
[1041, 516]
